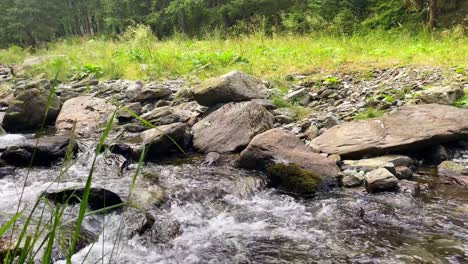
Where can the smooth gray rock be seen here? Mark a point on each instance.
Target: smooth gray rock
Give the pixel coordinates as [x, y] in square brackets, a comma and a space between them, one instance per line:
[235, 86]
[87, 114]
[231, 128]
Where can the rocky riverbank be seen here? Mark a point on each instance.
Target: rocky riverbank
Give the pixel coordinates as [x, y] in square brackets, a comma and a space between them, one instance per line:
[312, 146]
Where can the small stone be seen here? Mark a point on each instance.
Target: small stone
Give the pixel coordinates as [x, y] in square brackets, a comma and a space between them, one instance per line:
[380, 180]
[403, 172]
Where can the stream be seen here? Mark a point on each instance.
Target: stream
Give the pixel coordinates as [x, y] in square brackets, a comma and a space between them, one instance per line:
[226, 215]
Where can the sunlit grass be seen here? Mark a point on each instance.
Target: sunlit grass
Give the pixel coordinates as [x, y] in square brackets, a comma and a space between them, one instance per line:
[146, 58]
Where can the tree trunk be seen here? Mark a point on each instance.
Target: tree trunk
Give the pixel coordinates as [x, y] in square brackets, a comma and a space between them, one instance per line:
[432, 13]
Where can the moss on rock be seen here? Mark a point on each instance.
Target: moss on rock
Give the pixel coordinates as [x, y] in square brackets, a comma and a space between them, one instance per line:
[293, 178]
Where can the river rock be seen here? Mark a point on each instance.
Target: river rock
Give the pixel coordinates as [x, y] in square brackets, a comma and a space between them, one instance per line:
[98, 198]
[450, 168]
[378, 162]
[447, 95]
[235, 86]
[159, 142]
[413, 126]
[380, 180]
[230, 128]
[11, 140]
[288, 162]
[352, 178]
[89, 115]
[28, 109]
[47, 150]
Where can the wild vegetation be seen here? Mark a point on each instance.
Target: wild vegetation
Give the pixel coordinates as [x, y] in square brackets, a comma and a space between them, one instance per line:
[317, 56]
[137, 54]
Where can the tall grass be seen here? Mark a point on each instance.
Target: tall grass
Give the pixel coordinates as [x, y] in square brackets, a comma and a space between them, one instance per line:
[139, 55]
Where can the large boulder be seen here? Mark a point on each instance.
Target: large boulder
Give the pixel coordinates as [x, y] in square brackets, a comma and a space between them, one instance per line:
[45, 151]
[235, 86]
[381, 180]
[30, 109]
[441, 95]
[288, 162]
[159, 142]
[230, 128]
[413, 126]
[87, 114]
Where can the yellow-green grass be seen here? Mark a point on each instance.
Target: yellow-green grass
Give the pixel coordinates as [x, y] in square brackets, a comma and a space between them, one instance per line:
[140, 56]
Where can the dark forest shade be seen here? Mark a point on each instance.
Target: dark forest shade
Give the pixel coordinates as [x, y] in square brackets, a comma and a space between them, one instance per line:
[30, 22]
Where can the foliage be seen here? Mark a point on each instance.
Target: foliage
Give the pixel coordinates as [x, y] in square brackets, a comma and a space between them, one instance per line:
[463, 102]
[33, 22]
[369, 113]
[268, 57]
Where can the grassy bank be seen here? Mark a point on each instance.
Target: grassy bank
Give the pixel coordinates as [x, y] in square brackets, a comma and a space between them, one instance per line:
[138, 55]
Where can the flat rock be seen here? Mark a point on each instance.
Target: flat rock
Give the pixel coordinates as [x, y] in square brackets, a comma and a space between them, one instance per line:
[47, 150]
[413, 126]
[230, 128]
[378, 162]
[89, 115]
[235, 86]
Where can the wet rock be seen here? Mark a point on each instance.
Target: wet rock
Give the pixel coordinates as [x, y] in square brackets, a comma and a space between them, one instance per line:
[87, 114]
[6, 171]
[411, 187]
[10, 140]
[411, 127]
[380, 180]
[98, 198]
[450, 168]
[211, 158]
[352, 178]
[27, 111]
[403, 172]
[447, 95]
[230, 128]
[288, 161]
[47, 150]
[378, 162]
[235, 86]
[159, 142]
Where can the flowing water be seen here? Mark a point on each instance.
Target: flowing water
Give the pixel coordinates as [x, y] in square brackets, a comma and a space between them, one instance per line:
[226, 215]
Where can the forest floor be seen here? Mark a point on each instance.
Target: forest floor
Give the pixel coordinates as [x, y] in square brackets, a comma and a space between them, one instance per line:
[139, 56]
